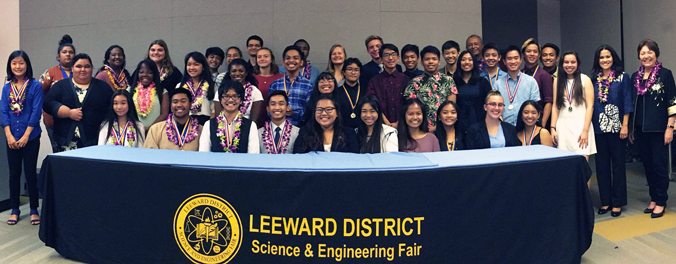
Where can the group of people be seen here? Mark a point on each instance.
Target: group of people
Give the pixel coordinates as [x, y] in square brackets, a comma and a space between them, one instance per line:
[481, 98]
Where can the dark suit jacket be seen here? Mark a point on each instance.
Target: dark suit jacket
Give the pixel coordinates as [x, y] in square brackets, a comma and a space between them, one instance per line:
[95, 107]
[477, 136]
[351, 142]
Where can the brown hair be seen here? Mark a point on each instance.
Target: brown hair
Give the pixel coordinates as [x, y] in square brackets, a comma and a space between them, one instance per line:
[371, 38]
[274, 69]
[166, 63]
[329, 67]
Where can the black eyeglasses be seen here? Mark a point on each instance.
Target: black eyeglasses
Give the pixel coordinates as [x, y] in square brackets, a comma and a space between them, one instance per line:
[328, 110]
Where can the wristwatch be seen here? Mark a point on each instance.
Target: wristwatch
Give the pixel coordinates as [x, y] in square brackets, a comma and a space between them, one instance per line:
[670, 126]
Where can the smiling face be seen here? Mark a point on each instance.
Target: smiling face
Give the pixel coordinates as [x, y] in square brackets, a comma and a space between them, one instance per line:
[292, 60]
[410, 60]
[325, 86]
[145, 75]
[466, 63]
[449, 115]
[277, 107]
[647, 56]
[338, 56]
[238, 73]
[230, 55]
[263, 58]
[530, 115]
[156, 53]
[474, 45]
[513, 60]
[373, 48]
[390, 59]
[414, 116]
[214, 61]
[605, 59]
[180, 105]
[431, 62]
[82, 71]
[451, 56]
[369, 115]
[120, 105]
[549, 58]
[325, 113]
[569, 64]
[116, 58]
[532, 54]
[494, 106]
[194, 68]
[491, 58]
[66, 56]
[252, 47]
[18, 67]
[231, 101]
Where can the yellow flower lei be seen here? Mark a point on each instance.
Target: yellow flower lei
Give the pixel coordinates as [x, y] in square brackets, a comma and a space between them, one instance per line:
[151, 99]
[198, 97]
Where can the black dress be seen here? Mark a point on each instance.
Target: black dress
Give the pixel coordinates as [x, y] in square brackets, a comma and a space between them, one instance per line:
[470, 99]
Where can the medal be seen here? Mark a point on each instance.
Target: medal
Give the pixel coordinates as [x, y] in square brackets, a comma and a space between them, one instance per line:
[353, 115]
[509, 92]
[570, 109]
[569, 95]
[511, 107]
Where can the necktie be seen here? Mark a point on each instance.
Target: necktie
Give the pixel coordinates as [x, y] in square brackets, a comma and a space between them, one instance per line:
[277, 135]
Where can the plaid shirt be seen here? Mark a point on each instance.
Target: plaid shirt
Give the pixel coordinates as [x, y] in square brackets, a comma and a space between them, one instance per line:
[299, 93]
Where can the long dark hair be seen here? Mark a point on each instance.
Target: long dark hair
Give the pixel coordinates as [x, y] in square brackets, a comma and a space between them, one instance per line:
[150, 64]
[617, 66]
[578, 96]
[166, 63]
[29, 68]
[406, 141]
[520, 125]
[314, 139]
[247, 67]
[441, 130]
[370, 144]
[106, 56]
[131, 113]
[476, 74]
[204, 76]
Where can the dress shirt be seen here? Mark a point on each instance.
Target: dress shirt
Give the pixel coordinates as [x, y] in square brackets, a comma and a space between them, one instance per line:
[527, 90]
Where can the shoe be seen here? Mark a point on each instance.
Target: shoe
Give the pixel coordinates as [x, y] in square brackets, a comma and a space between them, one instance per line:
[648, 210]
[17, 213]
[616, 214]
[603, 211]
[654, 215]
[35, 221]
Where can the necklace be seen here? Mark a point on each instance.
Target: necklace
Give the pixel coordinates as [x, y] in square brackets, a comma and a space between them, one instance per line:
[353, 115]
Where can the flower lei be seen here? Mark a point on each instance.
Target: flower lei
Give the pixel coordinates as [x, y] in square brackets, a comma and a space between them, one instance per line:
[269, 142]
[181, 138]
[116, 137]
[248, 90]
[197, 94]
[229, 144]
[604, 85]
[119, 81]
[643, 89]
[144, 98]
[17, 97]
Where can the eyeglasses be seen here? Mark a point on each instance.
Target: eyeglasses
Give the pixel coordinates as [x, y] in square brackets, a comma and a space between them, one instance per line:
[494, 105]
[234, 97]
[390, 55]
[352, 70]
[328, 110]
[326, 80]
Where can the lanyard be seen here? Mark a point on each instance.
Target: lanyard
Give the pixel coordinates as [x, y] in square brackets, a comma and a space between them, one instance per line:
[181, 135]
[511, 96]
[120, 134]
[63, 72]
[532, 136]
[290, 86]
[18, 93]
[569, 92]
[490, 78]
[350, 98]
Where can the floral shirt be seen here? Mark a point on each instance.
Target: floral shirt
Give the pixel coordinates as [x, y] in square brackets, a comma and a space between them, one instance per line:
[432, 90]
[608, 114]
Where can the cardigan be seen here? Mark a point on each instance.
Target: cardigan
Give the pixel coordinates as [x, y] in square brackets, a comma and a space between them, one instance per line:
[657, 105]
[351, 142]
[30, 115]
[95, 106]
[477, 136]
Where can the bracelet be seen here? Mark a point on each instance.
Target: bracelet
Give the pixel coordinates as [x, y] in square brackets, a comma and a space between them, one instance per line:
[670, 126]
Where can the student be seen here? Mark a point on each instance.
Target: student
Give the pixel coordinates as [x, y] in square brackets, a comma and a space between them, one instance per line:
[389, 85]
[515, 87]
[324, 131]
[215, 57]
[337, 56]
[180, 131]
[277, 136]
[253, 44]
[308, 71]
[170, 76]
[296, 87]
[450, 50]
[531, 53]
[233, 53]
[375, 66]
[64, 56]
[21, 106]
[529, 130]
[475, 44]
[492, 133]
[240, 71]
[78, 106]
[230, 131]
[413, 128]
[373, 135]
[113, 71]
[492, 71]
[410, 59]
[472, 90]
[350, 93]
[450, 139]
[432, 88]
[122, 127]
[550, 59]
[151, 100]
[265, 72]
[197, 80]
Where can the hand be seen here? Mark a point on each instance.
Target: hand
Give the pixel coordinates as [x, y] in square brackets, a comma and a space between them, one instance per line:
[668, 136]
[555, 136]
[76, 114]
[583, 139]
[631, 138]
[11, 141]
[432, 128]
[22, 142]
[623, 132]
[394, 124]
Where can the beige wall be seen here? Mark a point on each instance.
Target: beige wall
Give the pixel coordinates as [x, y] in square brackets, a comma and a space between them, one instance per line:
[9, 32]
[650, 19]
[199, 24]
[549, 21]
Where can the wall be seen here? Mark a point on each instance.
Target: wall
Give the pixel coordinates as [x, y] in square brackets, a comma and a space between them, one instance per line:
[509, 22]
[549, 21]
[650, 19]
[10, 42]
[199, 24]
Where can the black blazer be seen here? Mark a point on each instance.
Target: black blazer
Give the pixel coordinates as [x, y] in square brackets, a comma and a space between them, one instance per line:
[95, 107]
[657, 106]
[459, 141]
[351, 142]
[477, 136]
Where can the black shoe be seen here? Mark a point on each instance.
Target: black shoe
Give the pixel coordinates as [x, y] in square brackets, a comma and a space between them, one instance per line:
[648, 210]
[654, 215]
[603, 211]
[615, 214]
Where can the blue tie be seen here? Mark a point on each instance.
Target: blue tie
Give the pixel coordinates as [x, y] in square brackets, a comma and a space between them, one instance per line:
[277, 135]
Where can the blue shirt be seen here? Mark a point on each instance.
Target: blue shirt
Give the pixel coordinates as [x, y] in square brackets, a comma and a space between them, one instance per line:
[314, 72]
[498, 141]
[528, 90]
[500, 76]
[608, 115]
[30, 116]
[299, 91]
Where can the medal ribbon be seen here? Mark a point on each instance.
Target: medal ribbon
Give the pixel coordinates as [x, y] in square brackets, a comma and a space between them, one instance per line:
[275, 147]
[569, 93]
[18, 93]
[350, 98]
[120, 135]
[536, 70]
[491, 78]
[511, 96]
[228, 138]
[290, 86]
[63, 72]
[193, 91]
[532, 136]
[180, 136]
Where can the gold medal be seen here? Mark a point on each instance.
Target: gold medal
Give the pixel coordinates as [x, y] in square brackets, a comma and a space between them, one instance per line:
[570, 109]
[511, 107]
[353, 115]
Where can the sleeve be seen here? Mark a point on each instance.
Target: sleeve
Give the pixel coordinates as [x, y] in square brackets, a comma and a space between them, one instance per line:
[103, 132]
[38, 98]
[547, 87]
[152, 138]
[450, 83]
[372, 88]
[256, 94]
[51, 102]
[205, 138]
[4, 106]
[409, 92]
[435, 143]
[298, 144]
[45, 81]
[670, 92]
[254, 141]
[103, 76]
[534, 91]
[140, 135]
[391, 142]
[294, 137]
[626, 94]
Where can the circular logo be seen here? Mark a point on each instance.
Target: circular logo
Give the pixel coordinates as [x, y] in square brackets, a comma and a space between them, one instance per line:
[207, 229]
